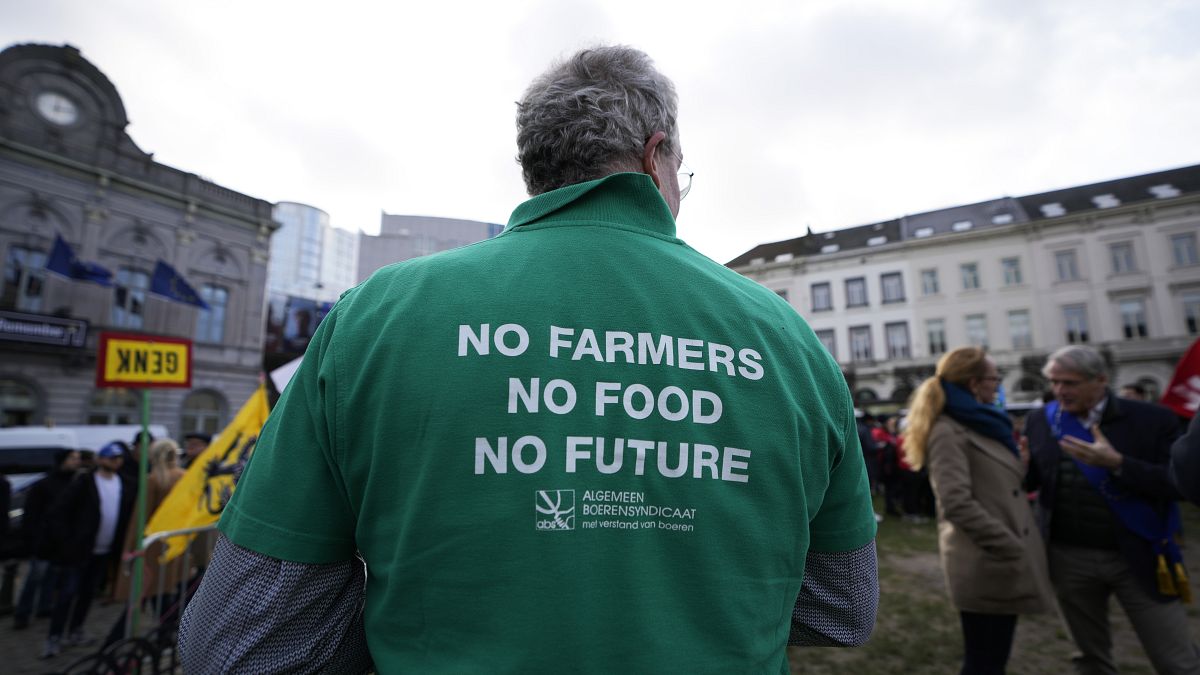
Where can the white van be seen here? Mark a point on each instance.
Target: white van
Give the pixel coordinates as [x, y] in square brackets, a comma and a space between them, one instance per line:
[27, 453]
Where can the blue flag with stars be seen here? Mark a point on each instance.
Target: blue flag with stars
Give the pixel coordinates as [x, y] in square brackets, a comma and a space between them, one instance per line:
[171, 285]
[63, 261]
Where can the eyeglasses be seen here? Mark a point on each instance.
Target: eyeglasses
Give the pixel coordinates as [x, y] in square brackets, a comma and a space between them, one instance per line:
[685, 176]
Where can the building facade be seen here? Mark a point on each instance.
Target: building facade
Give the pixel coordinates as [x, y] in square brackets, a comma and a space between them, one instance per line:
[1113, 265]
[309, 257]
[69, 170]
[404, 237]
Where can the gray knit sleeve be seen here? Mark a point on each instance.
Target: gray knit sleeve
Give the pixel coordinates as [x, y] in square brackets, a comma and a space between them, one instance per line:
[256, 614]
[838, 599]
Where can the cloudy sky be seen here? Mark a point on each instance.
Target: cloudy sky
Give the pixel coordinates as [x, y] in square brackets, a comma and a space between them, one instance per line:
[794, 114]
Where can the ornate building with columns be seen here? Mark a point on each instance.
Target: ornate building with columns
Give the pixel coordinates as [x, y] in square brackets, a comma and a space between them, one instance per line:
[69, 169]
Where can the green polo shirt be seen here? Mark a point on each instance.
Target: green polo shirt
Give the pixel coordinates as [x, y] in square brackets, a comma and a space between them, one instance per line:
[580, 446]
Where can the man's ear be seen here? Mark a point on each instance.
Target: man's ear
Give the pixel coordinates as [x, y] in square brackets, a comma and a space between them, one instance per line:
[650, 165]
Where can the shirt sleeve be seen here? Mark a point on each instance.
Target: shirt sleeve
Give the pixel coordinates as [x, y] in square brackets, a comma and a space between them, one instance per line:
[255, 614]
[845, 519]
[290, 502]
[838, 599]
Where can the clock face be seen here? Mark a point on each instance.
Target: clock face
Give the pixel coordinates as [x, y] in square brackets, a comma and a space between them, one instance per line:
[57, 108]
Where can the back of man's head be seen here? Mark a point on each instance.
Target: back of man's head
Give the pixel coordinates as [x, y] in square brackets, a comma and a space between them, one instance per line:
[591, 115]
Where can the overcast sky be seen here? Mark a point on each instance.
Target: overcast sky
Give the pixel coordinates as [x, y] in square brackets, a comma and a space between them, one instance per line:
[794, 114]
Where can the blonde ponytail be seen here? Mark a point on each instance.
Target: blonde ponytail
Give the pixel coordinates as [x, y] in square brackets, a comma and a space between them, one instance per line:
[927, 402]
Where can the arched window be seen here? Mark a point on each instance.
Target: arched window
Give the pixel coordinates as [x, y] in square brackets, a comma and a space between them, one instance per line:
[1153, 391]
[113, 406]
[866, 396]
[129, 297]
[24, 276]
[203, 412]
[18, 402]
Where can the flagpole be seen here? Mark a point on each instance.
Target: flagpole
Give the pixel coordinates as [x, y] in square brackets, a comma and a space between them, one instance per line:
[139, 562]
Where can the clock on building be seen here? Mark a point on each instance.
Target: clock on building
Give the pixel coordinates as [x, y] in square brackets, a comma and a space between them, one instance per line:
[57, 108]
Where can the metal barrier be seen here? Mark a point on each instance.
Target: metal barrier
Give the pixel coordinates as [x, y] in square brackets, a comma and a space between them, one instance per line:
[166, 586]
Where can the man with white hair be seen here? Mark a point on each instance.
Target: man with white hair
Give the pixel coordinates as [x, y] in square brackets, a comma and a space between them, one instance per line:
[1108, 513]
[580, 446]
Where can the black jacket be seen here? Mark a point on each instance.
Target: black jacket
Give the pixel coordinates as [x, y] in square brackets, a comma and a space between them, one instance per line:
[1185, 462]
[74, 519]
[38, 501]
[1142, 433]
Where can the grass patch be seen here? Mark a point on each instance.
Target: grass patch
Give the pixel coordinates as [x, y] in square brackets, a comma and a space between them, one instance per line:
[917, 629]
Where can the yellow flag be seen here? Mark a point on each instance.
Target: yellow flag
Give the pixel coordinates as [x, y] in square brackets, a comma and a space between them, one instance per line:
[200, 496]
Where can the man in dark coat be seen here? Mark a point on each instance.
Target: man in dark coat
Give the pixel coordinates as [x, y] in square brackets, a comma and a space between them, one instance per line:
[1093, 552]
[85, 529]
[39, 582]
[1185, 462]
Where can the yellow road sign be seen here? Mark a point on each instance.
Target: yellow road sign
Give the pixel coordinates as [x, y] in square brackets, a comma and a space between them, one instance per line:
[128, 360]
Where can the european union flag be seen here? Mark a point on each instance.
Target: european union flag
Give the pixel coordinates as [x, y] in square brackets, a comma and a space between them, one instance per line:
[63, 261]
[171, 284]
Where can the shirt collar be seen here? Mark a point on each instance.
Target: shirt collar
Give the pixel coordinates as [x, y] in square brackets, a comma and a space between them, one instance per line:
[1096, 413]
[626, 200]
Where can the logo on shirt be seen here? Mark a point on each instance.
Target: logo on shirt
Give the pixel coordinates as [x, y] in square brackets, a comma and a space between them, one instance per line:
[555, 509]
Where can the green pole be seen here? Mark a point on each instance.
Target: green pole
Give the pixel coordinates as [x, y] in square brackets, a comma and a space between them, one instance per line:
[135, 600]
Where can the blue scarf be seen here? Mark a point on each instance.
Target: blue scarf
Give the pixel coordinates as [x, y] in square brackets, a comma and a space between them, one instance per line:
[1133, 512]
[988, 420]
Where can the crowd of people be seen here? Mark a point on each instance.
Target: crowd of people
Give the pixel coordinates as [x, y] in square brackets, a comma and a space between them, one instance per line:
[390, 452]
[76, 534]
[1106, 522]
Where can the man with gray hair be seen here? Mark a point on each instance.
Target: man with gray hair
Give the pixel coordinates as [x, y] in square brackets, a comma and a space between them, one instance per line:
[1099, 463]
[580, 446]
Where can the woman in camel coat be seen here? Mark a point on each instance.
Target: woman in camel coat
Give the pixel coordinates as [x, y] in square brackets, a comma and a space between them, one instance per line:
[163, 474]
[991, 551]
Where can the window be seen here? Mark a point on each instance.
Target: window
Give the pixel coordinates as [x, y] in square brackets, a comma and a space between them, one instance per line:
[1191, 311]
[210, 323]
[1019, 329]
[936, 330]
[822, 298]
[961, 226]
[1183, 248]
[970, 276]
[977, 335]
[826, 337]
[781, 292]
[1012, 271]
[929, 282]
[1122, 258]
[892, 285]
[129, 298]
[860, 343]
[1064, 261]
[856, 292]
[18, 402]
[1075, 318]
[897, 340]
[1133, 317]
[203, 412]
[24, 277]
[113, 406]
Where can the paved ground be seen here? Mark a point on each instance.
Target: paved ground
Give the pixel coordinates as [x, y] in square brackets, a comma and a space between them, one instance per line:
[19, 650]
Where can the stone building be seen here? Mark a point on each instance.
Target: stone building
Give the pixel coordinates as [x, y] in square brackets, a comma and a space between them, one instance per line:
[1111, 264]
[69, 169]
[404, 237]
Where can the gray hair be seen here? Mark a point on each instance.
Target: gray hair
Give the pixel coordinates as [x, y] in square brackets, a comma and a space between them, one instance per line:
[591, 115]
[1083, 361]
